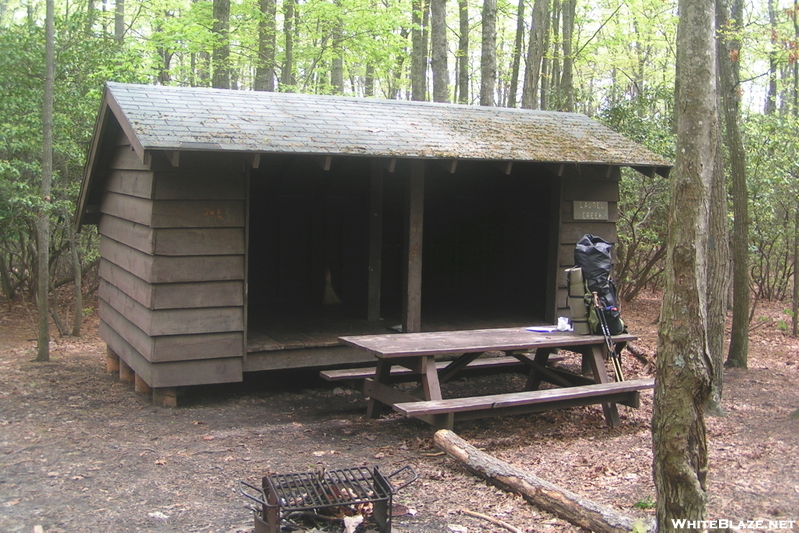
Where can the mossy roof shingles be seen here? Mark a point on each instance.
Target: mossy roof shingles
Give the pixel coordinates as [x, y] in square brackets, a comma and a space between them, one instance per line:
[176, 118]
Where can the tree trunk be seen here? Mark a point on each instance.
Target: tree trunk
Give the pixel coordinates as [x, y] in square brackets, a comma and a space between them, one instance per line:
[463, 51]
[518, 44]
[221, 51]
[267, 36]
[419, 52]
[369, 80]
[488, 57]
[119, 21]
[730, 99]
[91, 13]
[771, 95]
[43, 216]
[73, 244]
[337, 64]
[684, 368]
[795, 306]
[535, 54]
[579, 511]
[718, 272]
[287, 81]
[550, 85]
[438, 30]
[566, 89]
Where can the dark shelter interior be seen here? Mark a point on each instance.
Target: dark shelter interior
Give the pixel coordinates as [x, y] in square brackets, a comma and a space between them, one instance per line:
[485, 253]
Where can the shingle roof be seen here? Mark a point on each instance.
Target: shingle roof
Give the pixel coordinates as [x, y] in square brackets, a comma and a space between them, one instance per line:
[176, 118]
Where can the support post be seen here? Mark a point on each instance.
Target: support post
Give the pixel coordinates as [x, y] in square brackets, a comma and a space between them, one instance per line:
[414, 218]
[126, 373]
[375, 240]
[111, 360]
[141, 386]
[165, 396]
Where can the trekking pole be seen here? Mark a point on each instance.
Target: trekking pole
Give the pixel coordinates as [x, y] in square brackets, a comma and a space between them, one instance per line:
[603, 323]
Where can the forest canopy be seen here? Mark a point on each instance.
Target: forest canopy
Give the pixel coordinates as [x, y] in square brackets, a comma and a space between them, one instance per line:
[614, 61]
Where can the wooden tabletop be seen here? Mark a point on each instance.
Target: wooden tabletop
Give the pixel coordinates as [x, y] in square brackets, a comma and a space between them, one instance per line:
[475, 340]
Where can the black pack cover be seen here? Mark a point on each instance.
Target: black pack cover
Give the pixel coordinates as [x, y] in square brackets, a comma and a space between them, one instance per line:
[592, 255]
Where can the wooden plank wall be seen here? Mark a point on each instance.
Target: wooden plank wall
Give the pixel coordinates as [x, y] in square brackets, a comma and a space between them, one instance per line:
[172, 251]
[584, 183]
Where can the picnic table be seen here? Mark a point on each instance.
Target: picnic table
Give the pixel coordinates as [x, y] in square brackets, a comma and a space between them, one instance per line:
[416, 354]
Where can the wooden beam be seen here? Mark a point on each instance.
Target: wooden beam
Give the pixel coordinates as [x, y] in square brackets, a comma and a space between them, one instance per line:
[375, 240]
[174, 157]
[255, 160]
[556, 168]
[504, 166]
[390, 165]
[324, 161]
[449, 165]
[414, 223]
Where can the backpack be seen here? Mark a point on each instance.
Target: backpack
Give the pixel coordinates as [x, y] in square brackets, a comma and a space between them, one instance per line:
[592, 256]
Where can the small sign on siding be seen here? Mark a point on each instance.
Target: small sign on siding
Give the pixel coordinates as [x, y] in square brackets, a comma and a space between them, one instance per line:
[590, 210]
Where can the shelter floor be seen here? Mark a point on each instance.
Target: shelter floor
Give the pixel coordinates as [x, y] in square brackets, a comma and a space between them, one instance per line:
[321, 326]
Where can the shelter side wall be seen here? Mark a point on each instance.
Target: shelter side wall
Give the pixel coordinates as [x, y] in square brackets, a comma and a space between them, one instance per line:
[584, 184]
[172, 270]
[125, 202]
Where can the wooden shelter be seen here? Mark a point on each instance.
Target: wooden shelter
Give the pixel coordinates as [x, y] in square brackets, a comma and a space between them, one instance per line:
[246, 231]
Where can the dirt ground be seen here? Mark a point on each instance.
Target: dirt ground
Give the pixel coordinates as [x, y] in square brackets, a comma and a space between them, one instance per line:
[82, 452]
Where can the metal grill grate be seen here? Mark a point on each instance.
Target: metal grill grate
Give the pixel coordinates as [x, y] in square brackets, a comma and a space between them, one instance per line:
[359, 490]
[349, 486]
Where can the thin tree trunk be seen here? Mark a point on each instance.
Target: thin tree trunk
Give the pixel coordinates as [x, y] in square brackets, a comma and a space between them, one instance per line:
[463, 51]
[287, 81]
[771, 94]
[267, 36]
[419, 52]
[369, 80]
[91, 14]
[684, 368]
[550, 85]
[518, 44]
[730, 99]
[566, 89]
[718, 279]
[73, 244]
[221, 51]
[535, 54]
[43, 216]
[119, 21]
[488, 57]
[337, 64]
[438, 31]
[795, 307]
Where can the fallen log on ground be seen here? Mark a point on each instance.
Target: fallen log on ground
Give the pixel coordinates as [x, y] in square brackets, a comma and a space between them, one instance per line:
[544, 495]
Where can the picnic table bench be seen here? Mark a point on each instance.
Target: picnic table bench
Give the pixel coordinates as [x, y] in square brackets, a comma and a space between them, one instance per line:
[415, 353]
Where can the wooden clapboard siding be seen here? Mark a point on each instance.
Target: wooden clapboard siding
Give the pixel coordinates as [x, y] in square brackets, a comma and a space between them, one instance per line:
[197, 213]
[173, 295]
[137, 183]
[172, 269]
[172, 347]
[136, 236]
[125, 158]
[173, 321]
[173, 373]
[132, 285]
[125, 207]
[195, 295]
[173, 242]
[591, 185]
[200, 185]
[198, 241]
